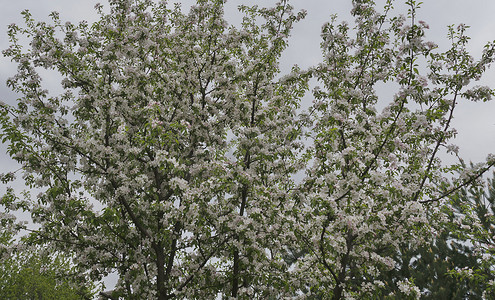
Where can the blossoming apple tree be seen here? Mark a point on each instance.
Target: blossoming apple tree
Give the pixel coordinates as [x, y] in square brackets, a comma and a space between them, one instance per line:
[172, 155]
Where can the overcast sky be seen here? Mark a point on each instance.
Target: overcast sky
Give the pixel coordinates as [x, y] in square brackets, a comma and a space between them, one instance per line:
[474, 121]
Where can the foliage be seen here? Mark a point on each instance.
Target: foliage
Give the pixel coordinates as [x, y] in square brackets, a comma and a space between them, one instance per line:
[473, 222]
[457, 262]
[172, 155]
[30, 271]
[431, 267]
[30, 275]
